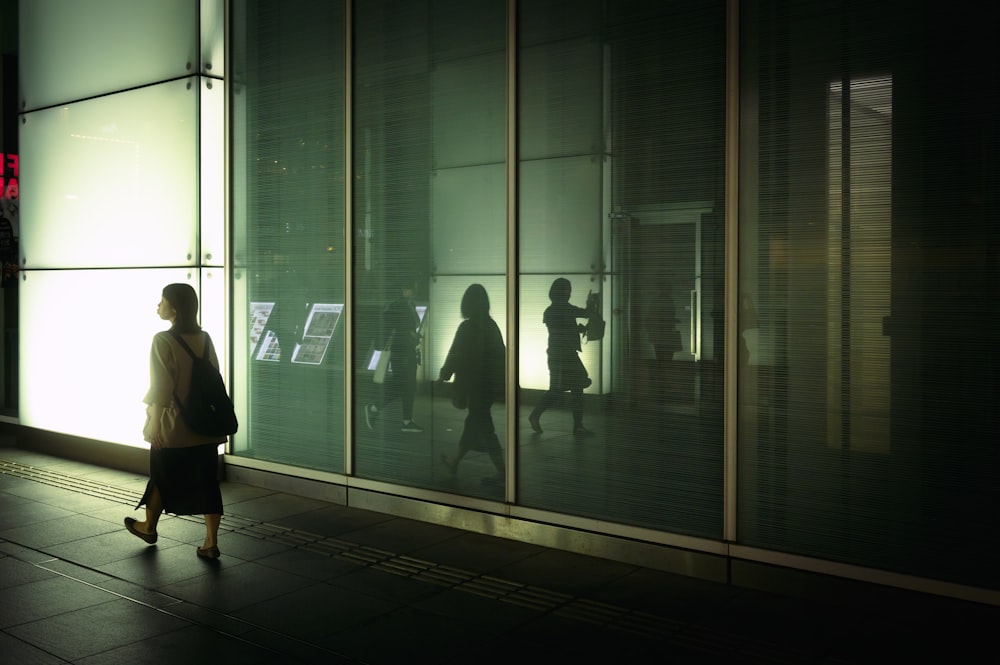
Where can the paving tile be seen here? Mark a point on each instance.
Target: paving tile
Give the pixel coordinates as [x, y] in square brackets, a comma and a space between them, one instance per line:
[46, 598]
[78, 634]
[396, 588]
[461, 604]
[233, 493]
[102, 549]
[57, 531]
[293, 651]
[315, 566]
[153, 567]
[228, 586]
[73, 571]
[18, 651]
[665, 594]
[14, 572]
[31, 512]
[401, 536]
[332, 520]
[248, 548]
[193, 644]
[565, 572]
[315, 612]
[273, 506]
[485, 553]
[434, 637]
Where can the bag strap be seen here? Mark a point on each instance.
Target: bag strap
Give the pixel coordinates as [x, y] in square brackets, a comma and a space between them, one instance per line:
[184, 345]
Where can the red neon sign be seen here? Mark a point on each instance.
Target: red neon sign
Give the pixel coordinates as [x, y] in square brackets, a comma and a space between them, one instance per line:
[8, 176]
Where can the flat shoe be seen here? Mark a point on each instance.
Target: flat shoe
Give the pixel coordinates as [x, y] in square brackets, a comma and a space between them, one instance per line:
[209, 552]
[150, 538]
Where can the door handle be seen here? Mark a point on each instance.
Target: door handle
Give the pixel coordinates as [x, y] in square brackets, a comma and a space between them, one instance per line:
[694, 326]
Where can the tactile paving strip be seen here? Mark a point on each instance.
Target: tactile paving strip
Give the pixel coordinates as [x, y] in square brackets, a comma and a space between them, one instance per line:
[697, 638]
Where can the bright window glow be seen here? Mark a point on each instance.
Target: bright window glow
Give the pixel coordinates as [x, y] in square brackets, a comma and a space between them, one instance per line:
[139, 42]
[112, 182]
[87, 347]
[212, 171]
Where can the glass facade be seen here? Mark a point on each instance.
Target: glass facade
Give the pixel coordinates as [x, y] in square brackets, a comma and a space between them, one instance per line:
[868, 283]
[287, 146]
[621, 168]
[395, 165]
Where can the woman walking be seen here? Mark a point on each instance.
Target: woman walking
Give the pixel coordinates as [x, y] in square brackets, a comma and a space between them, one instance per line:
[183, 465]
[476, 360]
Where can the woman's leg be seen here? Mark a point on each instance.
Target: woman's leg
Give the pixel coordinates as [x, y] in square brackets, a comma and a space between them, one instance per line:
[212, 530]
[154, 508]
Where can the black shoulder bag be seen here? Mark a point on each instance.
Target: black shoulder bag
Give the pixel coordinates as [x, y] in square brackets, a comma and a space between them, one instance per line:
[208, 409]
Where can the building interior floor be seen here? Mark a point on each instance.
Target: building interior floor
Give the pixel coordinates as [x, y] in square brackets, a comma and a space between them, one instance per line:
[304, 581]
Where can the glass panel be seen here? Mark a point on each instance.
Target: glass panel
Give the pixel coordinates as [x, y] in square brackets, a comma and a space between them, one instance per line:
[289, 295]
[70, 51]
[212, 171]
[213, 31]
[101, 375]
[558, 83]
[113, 181]
[562, 214]
[430, 216]
[622, 156]
[470, 219]
[867, 382]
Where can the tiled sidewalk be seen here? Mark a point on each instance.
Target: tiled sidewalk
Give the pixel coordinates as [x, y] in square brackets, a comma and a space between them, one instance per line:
[303, 581]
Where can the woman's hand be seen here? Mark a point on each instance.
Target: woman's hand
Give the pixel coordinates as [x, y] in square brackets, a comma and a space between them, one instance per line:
[154, 433]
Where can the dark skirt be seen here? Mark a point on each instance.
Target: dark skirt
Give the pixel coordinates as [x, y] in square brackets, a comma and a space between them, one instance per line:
[566, 372]
[188, 479]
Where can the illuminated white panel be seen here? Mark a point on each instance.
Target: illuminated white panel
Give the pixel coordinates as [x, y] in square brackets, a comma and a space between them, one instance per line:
[84, 347]
[112, 182]
[445, 313]
[212, 313]
[212, 172]
[562, 99]
[71, 50]
[469, 225]
[533, 369]
[560, 218]
[213, 30]
[469, 111]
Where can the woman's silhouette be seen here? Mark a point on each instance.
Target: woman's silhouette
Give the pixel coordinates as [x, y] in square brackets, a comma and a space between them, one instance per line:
[566, 371]
[476, 360]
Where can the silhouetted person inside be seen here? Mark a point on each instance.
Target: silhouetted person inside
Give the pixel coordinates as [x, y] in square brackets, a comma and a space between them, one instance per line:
[566, 370]
[400, 324]
[476, 360]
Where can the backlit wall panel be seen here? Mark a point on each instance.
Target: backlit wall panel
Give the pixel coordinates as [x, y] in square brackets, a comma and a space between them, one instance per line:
[112, 182]
[72, 50]
[469, 207]
[561, 208]
[85, 341]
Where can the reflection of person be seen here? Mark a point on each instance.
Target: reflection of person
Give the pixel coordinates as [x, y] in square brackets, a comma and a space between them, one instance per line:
[401, 321]
[476, 359]
[566, 371]
[183, 466]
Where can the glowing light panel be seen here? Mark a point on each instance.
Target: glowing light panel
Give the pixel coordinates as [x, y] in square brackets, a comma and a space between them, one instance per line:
[87, 347]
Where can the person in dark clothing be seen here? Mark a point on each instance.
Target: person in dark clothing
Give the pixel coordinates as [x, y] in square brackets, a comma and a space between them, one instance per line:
[401, 323]
[476, 360]
[183, 465]
[566, 370]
